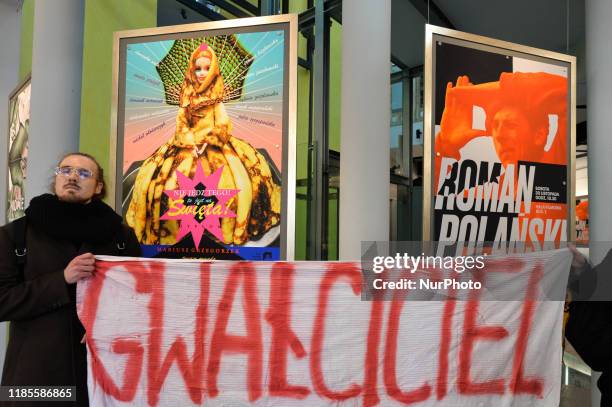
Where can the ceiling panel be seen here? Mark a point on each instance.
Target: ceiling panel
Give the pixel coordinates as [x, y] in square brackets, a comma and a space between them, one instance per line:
[537, 23]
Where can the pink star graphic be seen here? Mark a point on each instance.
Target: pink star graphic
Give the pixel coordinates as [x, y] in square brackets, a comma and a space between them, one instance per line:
[187, 214]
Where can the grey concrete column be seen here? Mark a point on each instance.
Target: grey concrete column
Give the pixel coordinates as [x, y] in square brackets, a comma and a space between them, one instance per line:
[10, 19]
[57, 59]
[10, 23]
[599, 104]
[364, 140]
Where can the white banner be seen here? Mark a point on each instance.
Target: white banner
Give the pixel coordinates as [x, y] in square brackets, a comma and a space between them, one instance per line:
[195, 333]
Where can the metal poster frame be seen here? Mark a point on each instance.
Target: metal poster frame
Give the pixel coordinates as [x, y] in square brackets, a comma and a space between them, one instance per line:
[13, 97]
[434, 35]
[288, 23]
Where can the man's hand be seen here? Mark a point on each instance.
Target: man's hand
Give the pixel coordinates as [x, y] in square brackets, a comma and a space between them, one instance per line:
[456, 125]
[80, 267]
[578, 259]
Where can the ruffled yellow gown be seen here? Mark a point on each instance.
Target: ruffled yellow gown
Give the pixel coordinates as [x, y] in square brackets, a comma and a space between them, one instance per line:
[204, 136]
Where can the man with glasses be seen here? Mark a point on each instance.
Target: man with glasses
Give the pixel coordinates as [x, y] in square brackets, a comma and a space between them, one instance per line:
[61, 234]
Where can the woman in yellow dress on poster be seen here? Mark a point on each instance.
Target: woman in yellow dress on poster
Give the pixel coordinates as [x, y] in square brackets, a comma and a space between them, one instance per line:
[204, 137]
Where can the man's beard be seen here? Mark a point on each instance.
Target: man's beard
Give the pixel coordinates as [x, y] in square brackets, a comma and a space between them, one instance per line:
[70, 196]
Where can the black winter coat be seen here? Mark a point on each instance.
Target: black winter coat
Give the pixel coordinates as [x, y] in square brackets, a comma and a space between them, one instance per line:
[44, 341]
[589, 328]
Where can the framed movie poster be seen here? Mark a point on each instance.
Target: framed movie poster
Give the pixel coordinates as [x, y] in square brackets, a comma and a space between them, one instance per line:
[499, 141]
[204, 126]
[19, 128]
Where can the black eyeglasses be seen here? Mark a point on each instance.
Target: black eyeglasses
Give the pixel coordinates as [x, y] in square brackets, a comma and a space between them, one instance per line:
[83, 173]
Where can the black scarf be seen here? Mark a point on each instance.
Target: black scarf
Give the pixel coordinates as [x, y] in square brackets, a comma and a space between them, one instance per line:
[95, 222]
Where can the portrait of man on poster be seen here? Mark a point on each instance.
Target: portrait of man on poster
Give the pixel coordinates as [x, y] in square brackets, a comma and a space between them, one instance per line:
[525, 115]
